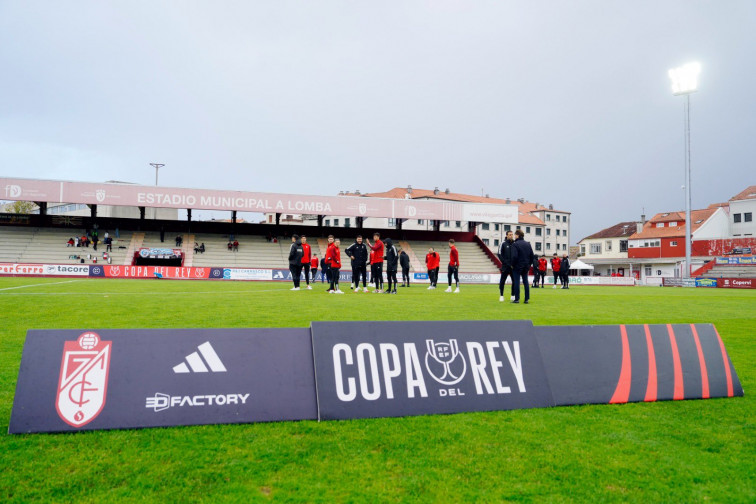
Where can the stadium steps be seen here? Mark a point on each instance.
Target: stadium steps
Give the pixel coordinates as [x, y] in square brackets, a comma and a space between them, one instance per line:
[727, 271]
[187, 246]
[472, 258]
[415, 263]
[15, 241]
[49, 246]
[137, 241]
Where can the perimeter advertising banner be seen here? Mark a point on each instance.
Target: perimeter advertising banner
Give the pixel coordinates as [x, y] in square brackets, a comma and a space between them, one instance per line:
[380, 369]
[114, 379]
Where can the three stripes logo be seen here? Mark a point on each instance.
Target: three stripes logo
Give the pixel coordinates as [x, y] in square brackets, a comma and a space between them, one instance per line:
[203, 361]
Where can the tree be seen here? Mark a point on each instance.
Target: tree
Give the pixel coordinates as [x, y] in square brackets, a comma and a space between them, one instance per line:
[20, 207]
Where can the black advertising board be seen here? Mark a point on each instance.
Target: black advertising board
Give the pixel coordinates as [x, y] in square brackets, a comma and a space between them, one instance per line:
[619, 363]
[73, 380]
[380, 369]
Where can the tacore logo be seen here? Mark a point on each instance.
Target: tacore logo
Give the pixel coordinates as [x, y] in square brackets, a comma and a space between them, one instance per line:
[196, 363]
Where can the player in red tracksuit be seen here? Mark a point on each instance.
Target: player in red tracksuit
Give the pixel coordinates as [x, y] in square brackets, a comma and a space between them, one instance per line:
[376, 261]
[555, 264]
[333, 258]
[432, 262]
[542, 265]
[327, 261]
[306, 260]
[314, 266]
[453, 270]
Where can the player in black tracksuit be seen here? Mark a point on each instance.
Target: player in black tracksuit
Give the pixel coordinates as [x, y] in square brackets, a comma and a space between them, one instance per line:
[295, 260]
[564, 271]
[404, 262]
[392, 258]
[508, 257]
[358, 253]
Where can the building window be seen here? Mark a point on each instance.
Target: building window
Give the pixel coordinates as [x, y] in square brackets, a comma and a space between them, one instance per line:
[673, 244]
[485, 240]
[485, 226]
[539, 231]
[420, 221]
[518, 227]
[647, 270]
[496, 243]
[446, 223]
[736, 217]
[347, 222]
[458, 224]
[564, 218]
[673, 224]
[608, 245]
[328, 222]
[660, 224]
[623, 245]
[507, 227]
[496, 227]
[548, 246]
[538, 246]
[527, 229]
[392, 222]
[595, 248]
[335, 222]
[548, 217]
[582, 249]
[748, 217]
[548, 232]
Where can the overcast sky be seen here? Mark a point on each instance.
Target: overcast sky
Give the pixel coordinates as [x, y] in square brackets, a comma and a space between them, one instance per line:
[557, 102]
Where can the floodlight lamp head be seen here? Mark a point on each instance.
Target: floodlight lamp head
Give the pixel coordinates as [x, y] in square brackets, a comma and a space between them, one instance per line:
[685, 78]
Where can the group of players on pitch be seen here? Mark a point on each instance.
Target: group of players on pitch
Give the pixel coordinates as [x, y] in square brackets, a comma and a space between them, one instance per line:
[516, 256]
[361, 253]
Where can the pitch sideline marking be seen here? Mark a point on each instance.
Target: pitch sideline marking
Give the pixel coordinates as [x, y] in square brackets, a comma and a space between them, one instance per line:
[37, 285]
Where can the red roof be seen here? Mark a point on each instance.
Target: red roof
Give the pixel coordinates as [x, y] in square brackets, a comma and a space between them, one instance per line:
[650, 229]
[746, 194]
[525, 207]
[623, 229]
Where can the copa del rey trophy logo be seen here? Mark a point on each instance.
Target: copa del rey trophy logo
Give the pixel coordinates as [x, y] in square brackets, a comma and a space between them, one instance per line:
[83, 382]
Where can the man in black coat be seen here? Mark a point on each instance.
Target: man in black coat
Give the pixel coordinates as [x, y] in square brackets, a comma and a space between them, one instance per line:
[521, 266]
[564, 270]
[404, 262]
[392, 259]
[508, 257]
[295, 260]
[358, 253]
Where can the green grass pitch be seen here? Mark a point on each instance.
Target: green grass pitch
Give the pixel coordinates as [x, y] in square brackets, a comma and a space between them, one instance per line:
[682, 451]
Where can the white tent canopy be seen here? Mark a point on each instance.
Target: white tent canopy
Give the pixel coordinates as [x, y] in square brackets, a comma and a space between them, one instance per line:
[580, 265]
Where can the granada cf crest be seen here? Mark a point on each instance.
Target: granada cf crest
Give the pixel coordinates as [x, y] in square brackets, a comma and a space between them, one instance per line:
[83, 382]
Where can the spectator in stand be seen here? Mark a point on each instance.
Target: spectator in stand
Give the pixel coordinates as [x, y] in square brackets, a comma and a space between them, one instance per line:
[306, 259]
[84, 241]
[433, 263]
[179, 240]
[392, 259]
[404, 262]
[295, 261]
[358, 253]
[314, 267]
[453, 269]
[70, 242]
[555, 264]
[108, 243]
[377, 260]
[508, 258]
[524, 261]
[236, 245]
[543, 264]
[334, 254]
[564, 268]
[202, 248]
[230, 246]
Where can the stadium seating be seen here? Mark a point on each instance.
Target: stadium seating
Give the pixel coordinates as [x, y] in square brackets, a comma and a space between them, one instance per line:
[731, 272]
[48, 246]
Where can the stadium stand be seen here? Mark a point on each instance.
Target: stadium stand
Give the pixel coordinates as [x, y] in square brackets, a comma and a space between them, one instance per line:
[48, 246]
[731, 271]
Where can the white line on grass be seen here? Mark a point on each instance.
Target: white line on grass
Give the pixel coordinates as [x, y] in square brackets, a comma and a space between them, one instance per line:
[133, 293]
[38, 285]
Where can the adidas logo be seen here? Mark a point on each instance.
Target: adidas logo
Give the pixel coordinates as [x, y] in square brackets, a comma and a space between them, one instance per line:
[196, 363]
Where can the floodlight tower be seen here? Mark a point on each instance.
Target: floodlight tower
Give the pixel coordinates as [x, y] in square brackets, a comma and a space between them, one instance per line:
[157, 166]
[685, 82]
